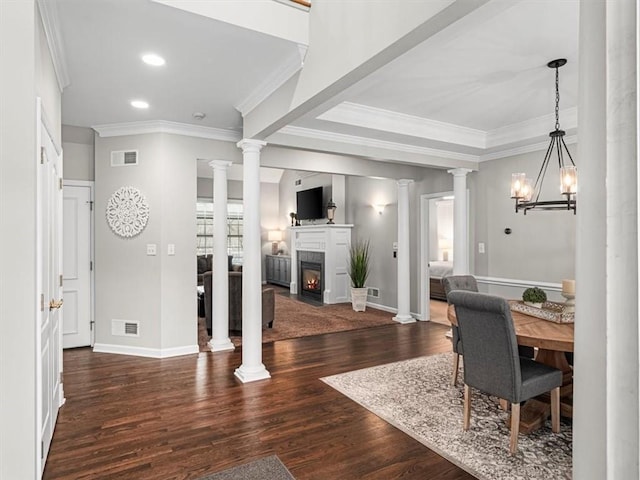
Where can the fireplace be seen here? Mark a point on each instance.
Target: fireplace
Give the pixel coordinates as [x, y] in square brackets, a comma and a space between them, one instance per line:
[311, 275]
[328, 246]
[311, 280]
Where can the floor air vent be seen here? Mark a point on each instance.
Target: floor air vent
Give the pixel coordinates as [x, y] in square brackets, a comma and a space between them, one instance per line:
[125, 328]
[124, 158]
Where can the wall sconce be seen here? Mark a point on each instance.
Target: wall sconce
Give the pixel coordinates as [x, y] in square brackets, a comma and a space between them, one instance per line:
[379, 208]
[274, 236]
[331, 211]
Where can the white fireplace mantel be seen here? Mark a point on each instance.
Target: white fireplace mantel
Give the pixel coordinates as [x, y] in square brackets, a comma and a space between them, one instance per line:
[333, 240]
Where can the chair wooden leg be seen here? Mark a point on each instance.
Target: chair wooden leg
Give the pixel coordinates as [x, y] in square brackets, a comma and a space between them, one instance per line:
[467, 408]
[555, 410]
[515, 427]
[456, 364]
[504, 405]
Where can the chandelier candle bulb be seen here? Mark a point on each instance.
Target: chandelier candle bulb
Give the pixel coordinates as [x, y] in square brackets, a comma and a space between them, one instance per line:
[569, 286]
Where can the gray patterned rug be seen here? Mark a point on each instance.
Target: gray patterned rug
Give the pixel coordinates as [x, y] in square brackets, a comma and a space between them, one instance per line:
[268, 468]
[416, 397]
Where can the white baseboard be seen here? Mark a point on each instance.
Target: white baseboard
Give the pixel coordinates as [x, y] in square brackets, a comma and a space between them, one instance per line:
[384, 308]
[144, 351]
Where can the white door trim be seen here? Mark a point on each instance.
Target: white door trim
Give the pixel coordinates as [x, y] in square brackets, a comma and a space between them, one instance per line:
[424, 292]
[91, 185]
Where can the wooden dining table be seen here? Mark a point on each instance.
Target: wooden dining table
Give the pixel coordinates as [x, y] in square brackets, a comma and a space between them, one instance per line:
[551, 340]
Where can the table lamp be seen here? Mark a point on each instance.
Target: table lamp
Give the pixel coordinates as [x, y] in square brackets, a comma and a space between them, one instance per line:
[274, 236]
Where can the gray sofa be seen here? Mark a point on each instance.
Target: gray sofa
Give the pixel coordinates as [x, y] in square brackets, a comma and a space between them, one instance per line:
[205, 265]
[235, 302]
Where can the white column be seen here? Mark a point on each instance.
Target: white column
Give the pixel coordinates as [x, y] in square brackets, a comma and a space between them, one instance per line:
[404, 271]
[460, 222]
[220, 280]
[589, 378]
[252, 368]
[622, 240]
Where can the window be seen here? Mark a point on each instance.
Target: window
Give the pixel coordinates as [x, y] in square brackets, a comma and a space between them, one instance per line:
[204, 216]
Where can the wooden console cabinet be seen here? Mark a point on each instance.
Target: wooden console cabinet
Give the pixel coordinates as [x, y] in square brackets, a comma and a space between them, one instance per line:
[279, 269]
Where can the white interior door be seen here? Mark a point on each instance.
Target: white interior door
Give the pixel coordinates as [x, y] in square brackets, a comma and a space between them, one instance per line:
[49, 262]
[77, 266]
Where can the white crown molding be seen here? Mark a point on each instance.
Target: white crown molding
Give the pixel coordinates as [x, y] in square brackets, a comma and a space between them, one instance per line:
[275, 80]
[570, 139]
[373, 143]
[378, 119]
[49, 14]
[163, 126]
[533, 128]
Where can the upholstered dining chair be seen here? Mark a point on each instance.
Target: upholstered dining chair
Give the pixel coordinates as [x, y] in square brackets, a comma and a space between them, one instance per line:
[467, 283]
[492, 363]
[451, 283]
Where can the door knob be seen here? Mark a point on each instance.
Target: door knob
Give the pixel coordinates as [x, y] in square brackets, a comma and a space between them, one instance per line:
[53, 304]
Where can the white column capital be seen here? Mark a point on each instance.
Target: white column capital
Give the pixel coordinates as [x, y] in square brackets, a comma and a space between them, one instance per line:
[459, 172]
[220, 164]
[250, 145]
[404, 182]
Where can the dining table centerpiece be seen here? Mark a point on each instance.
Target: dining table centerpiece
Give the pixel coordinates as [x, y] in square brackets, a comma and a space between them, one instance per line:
[534, 297]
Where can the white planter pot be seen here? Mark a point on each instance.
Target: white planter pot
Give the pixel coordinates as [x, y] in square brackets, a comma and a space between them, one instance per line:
[359, 299]
[532, 304]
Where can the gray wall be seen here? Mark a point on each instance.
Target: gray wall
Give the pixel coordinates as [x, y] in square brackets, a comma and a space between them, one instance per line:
[541, 246]
[78, 147]
[205, 188]
[158, 291]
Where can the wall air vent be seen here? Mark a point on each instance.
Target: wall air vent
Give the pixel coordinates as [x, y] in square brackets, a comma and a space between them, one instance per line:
[373, 292]
[125, 328]
[124, 158]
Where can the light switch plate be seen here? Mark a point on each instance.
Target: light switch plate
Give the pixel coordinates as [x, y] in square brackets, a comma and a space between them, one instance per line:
[481, 247]
[151, 248]
[171, 249]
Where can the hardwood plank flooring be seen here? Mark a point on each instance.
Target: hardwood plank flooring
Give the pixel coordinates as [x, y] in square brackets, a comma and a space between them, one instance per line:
[182, 418]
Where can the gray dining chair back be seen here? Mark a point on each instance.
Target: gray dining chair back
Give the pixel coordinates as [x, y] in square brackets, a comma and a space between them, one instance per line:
[491, 360]
[451, 283]
[492, 363]
[459, 282]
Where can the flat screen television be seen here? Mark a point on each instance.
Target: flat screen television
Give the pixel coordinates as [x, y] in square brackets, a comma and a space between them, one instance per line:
[309, 204]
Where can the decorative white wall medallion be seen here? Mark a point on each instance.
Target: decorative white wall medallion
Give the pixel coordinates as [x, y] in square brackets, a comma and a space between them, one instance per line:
[127, 212]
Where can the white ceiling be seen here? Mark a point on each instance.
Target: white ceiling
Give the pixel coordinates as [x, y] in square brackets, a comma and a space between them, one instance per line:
[475, 89]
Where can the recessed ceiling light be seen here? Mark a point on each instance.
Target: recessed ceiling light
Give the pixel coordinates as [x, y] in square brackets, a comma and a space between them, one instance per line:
[153, 59]
[139, 104]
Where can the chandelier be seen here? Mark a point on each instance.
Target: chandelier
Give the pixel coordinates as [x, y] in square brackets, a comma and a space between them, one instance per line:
[527, 197]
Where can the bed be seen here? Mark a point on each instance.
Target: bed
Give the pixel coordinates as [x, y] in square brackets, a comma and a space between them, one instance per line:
[437, 270]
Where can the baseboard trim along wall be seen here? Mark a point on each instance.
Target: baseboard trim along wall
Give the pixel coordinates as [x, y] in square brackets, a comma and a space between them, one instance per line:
[144, 351]
[384, 308]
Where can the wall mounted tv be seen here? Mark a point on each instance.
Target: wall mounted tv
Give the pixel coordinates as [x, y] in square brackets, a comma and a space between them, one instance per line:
[309, 204]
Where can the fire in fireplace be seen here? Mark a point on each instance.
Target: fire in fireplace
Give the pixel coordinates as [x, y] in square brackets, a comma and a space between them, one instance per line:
[311, 280]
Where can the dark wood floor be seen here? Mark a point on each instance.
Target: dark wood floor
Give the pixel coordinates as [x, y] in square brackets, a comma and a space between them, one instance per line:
[181, 418]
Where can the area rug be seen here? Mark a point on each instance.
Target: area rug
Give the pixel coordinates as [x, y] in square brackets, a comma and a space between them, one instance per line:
[416, 397]
[294, 319]
[270, 468]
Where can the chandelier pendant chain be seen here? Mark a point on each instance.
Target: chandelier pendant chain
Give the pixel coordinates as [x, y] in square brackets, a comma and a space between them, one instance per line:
[557, 101]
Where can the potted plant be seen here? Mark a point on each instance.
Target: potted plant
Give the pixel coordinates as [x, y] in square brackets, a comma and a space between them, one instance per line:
[534, 297]
[358, 270]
